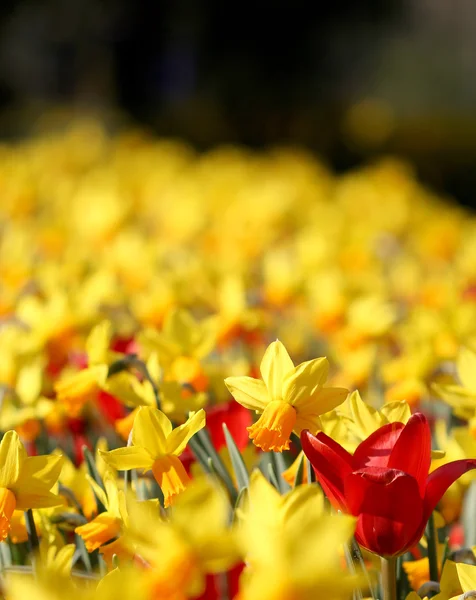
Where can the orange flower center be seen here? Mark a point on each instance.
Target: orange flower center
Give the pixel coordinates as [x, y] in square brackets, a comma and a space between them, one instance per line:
[171, 476]
[99, 531]
[272, 430]
[8, 503]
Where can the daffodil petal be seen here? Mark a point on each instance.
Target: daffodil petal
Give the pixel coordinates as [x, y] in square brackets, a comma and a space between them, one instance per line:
[151, 429]
[396, 411]
[12, 455]
[366, 419]
[324, 400]
[36, 497]
[275, 365]
[304, 380]
[132, 457]
[249, 392]
[178, 439]
[46, 469]
[467, 576]
[311, 422]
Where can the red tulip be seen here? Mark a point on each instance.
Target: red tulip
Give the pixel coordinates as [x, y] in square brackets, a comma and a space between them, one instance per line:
[385, 483]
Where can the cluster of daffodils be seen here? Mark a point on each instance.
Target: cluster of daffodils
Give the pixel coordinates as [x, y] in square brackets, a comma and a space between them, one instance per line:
[231, 376]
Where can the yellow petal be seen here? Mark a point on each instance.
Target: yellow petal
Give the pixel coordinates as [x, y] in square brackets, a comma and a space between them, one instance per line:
[123, 459]
[29, 382]
[181, 327]
[98, 491]
[97, 344]
[275, 365]
[449, 582]
[365, 417]
[311, 422]
[304, 380]
[467, 576]
[12, 455]
[44, 469]
[127, 388]
[178, 439]
[36, 497]
[249, 392]
[466, 366]
[63, 560]
[323, 401]
[206, 340]
[151, 429]
[396, 412]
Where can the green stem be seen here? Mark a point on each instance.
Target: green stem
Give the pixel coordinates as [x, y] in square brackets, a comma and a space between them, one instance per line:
[33, 541]
[432, 540]
[389, 578]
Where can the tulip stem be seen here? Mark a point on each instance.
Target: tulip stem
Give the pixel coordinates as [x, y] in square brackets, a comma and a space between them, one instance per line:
[389, 578]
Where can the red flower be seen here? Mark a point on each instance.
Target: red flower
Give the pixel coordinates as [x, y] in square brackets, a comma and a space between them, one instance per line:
[385, 483]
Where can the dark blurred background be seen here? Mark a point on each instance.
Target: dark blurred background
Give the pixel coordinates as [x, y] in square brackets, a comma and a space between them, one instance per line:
[349, 79]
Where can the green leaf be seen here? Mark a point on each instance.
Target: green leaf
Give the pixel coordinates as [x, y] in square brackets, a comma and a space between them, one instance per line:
[300, 472]
[221, 471]
[273, 478]
[239, 467]
[279, 466]
[82, 553]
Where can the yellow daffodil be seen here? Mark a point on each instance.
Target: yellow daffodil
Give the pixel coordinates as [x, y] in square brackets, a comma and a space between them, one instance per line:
[23, 406]
[74, 390]
[157, 446]
[128, 583]
[181, 345]
[175, 400]
[290, 398]
[196, 540]
[108, 524]
[366, 419]
[25, 482]
[291, 545]
[456, 580]
[462, 397]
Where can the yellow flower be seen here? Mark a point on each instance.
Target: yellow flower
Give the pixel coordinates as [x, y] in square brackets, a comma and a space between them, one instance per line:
[25, 481]
[107, 525]
[157, 446]
[462, 398]
[23, 406]
[291, 545]
[456, 580]
[75, 389]
[290, 398]
[181, 345]
[366, 419]
[196, 540]
[175, 401]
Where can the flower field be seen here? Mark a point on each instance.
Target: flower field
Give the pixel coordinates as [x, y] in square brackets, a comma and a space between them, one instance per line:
[232, 374]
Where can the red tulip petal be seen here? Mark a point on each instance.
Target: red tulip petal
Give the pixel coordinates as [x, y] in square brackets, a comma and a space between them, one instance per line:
[441, 479]
[376, 449]
[389, 509]
[331, 464]
[412, 450]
